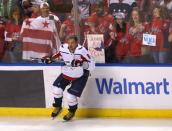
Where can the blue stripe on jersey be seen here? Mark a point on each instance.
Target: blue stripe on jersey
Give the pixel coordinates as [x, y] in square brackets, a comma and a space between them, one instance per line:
[64, 52]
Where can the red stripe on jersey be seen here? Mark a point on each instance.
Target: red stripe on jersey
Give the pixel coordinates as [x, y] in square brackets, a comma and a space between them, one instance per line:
[68, 78]
[56, 55]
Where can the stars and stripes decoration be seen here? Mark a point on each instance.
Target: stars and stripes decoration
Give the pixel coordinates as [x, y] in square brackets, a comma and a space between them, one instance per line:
[40, 38]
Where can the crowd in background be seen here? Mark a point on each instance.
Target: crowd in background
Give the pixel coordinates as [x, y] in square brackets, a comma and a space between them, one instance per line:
[122, 23]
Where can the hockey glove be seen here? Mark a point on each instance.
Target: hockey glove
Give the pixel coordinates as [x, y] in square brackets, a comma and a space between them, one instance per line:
[76, 63]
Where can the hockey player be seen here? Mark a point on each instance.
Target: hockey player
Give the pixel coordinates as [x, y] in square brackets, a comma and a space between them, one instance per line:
[78, 63]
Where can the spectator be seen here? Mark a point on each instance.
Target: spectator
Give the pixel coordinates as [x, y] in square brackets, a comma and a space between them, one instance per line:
[35, 10]
[13, 53]
[28, 9]
[137, 53]
[91, 26]
[159, 25]
[120, 44]
[40, 36]
[102, 21]
[68, 27]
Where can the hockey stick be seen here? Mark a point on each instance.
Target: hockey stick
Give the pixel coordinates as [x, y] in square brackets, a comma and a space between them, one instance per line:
[40, 60]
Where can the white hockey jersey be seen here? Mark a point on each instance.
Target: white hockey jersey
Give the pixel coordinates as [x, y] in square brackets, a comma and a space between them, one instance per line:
[80, 54]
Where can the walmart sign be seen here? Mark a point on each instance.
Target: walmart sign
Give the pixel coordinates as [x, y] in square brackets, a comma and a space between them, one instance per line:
[109, 86]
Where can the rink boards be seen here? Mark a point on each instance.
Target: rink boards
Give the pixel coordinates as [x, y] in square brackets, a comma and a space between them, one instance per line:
[111, 91]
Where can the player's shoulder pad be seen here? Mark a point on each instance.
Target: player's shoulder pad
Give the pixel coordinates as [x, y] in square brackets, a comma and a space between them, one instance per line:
[84, 51]
[64, 45]
[80, 48]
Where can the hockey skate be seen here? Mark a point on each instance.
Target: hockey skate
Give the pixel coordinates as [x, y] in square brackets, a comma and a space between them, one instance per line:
[56, 112]
[69, 116]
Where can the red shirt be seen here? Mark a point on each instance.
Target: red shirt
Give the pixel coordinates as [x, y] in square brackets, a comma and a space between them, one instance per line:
[70, 28]
[122, 46]
[11, 28]
[135, 40]
[102, 25]
[157, 28]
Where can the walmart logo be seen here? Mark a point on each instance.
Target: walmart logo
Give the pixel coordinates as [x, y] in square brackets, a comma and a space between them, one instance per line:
[110, 86]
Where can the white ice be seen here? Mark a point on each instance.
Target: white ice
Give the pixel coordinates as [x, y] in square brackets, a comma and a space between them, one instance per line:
[86, 124]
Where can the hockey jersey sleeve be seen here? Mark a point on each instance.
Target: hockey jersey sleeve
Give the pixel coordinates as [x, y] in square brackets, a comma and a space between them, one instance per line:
[58, 55]
[88, 62]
